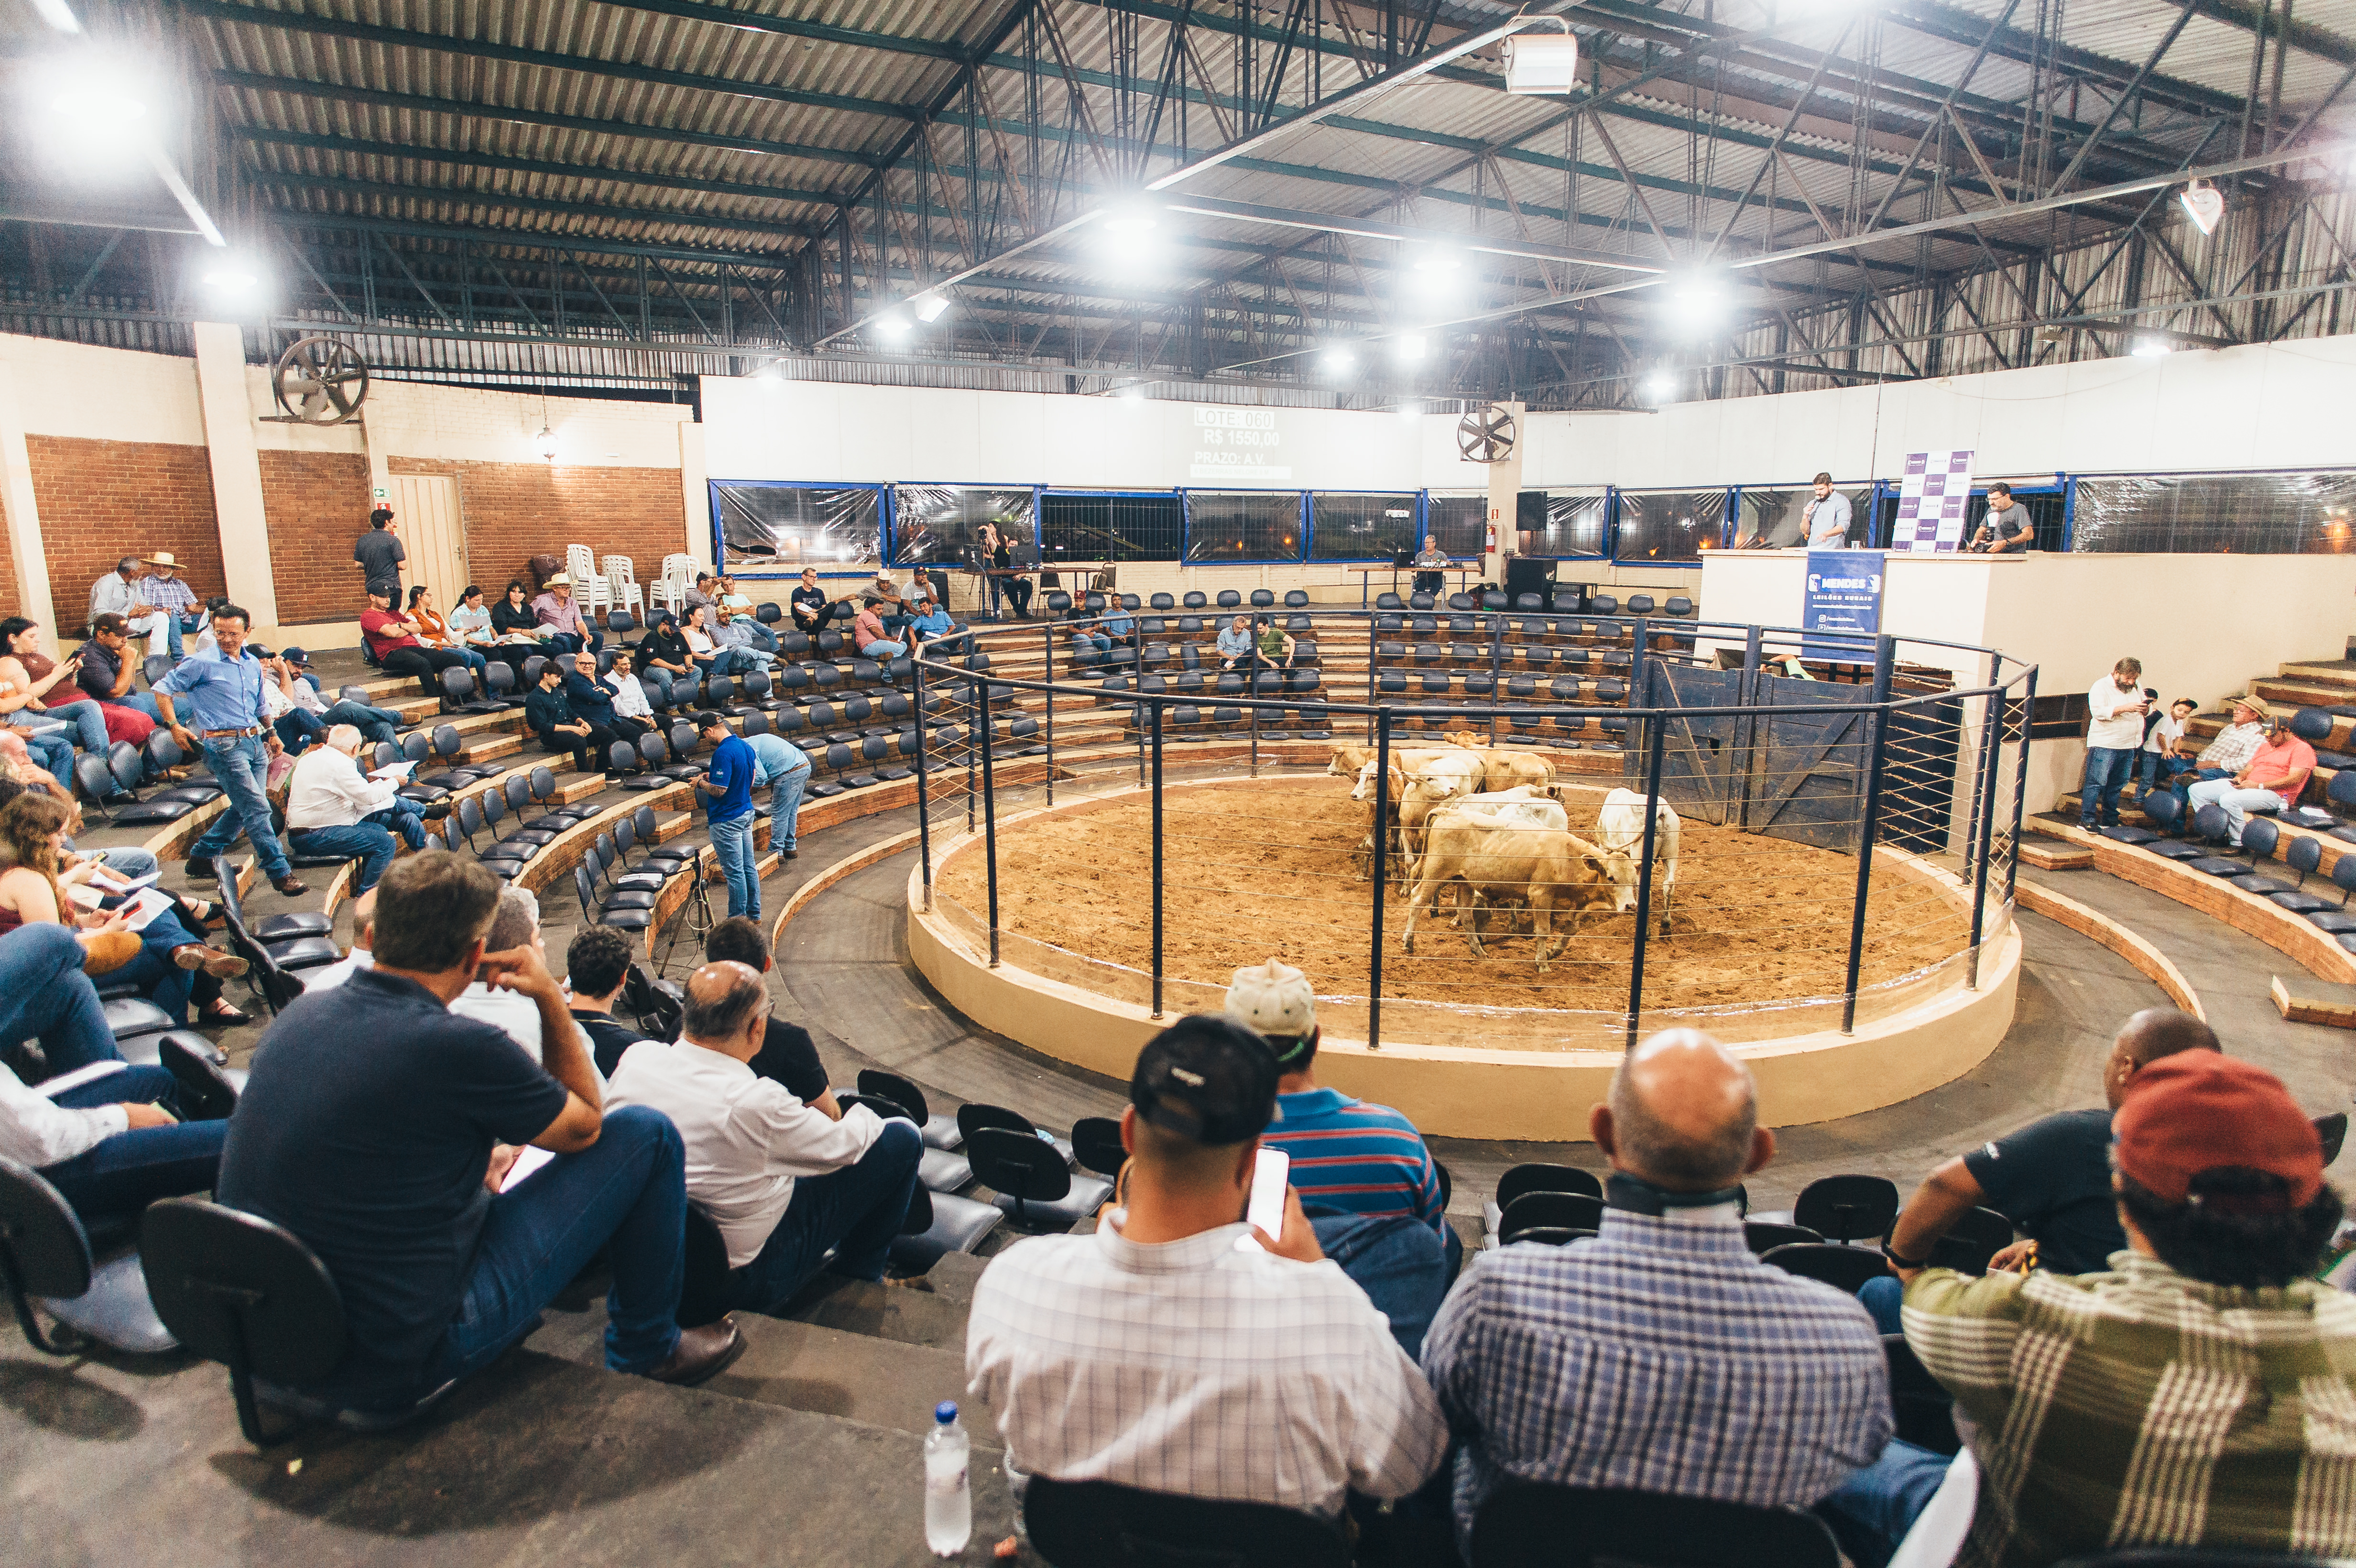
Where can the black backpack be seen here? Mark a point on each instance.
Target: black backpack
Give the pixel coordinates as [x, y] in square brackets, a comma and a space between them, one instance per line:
[659, 1011]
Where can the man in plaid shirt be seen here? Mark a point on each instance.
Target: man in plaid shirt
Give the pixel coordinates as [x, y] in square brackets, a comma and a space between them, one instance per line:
[1180, 1350]
[1661, 1355]
[2202, 1393]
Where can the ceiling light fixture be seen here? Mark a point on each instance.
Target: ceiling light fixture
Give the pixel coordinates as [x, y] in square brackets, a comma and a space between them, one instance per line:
[1134, 393]
[230, 279]
[546, 444]
[1661, 386]
[929, 305]
[1542, 63]
[1410, 409]
[58, 14]
[2152, 348]
[2203, 204]
[1410, 346]
[1339, 361]
[893, 325]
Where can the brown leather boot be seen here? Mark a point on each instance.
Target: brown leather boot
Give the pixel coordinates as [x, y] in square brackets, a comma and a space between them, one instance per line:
[702, 1353]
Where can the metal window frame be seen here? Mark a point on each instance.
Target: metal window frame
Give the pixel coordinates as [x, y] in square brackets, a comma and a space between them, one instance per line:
[1041, 492]
[892, 537]
[1309, 511]
[883, 517]
[1726, 513]
[1304, 515]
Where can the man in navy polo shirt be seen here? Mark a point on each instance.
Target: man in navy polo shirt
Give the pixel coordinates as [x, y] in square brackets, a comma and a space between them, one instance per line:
[729, 783]
[380, 1128]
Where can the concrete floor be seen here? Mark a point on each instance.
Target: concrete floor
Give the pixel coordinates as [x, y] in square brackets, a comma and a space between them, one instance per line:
[807, 1451]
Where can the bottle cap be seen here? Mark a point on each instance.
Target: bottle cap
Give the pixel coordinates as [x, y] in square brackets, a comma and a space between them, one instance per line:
[945, 1411]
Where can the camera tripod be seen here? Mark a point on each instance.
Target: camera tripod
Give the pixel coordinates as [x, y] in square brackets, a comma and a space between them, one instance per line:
[696, 917]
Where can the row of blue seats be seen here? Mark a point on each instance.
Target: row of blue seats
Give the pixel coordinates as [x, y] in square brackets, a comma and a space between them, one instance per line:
[2198, 840]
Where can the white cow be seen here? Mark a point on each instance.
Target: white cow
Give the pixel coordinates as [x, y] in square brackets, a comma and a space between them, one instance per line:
[1421, 786]
[1619, 834]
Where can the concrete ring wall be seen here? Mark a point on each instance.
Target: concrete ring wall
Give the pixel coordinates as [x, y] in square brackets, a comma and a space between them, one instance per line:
[1466, 1091]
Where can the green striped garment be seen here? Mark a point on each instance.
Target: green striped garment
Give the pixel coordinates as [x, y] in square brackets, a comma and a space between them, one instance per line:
[2142, 1408]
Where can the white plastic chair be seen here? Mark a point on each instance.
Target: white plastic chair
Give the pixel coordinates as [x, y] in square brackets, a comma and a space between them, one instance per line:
[622, 586]
[678, 579]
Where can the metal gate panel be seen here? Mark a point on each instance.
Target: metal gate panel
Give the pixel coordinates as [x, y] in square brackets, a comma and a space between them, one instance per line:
[1811, 767]
[1703, 764]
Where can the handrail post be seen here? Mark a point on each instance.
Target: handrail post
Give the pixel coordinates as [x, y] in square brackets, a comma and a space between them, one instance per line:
[971, 784]
[924, 796]
[1496, 669]
[1653, 737]
[1984, 802]
[1864, 865]
[1157, 858]
[1048, 633]
[989, 809]
[1382, 863]
[2020, 781]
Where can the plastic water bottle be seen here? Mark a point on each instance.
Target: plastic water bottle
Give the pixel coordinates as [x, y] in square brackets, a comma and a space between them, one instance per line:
[948, 1501]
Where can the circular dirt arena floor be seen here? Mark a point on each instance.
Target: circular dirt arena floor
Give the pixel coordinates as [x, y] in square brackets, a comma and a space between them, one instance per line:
[1264, 869]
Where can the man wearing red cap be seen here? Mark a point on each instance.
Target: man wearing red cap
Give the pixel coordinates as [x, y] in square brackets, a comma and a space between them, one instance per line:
[2201, 1394]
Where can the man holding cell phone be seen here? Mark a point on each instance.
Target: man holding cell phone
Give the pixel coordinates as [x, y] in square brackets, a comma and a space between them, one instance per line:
[1157, 1352]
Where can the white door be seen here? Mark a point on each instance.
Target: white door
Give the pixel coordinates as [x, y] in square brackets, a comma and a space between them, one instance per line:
[433, 532]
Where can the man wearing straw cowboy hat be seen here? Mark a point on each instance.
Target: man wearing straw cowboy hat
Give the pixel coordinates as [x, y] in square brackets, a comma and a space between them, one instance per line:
[152, 605]
[2233, 747]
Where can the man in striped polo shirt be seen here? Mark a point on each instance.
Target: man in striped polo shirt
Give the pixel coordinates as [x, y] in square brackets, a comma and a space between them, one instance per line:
[1369, 1186]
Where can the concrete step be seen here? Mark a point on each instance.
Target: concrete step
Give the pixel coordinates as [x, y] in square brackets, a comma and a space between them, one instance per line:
[935, 1317]
[809, 1367]
[2319, 674]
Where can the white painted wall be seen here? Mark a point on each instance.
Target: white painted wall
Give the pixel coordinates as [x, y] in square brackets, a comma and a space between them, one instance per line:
[825, 431]
[105, 394]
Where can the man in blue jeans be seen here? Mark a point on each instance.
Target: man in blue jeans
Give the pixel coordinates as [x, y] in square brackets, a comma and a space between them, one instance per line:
[729, 783]
[784, 1182]
[332, 809]
[785, 768]
[384, 1131]
[124, 1137]
[223, 689]
[2116, 707]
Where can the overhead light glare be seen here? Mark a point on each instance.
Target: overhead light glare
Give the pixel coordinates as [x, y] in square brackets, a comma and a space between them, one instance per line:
[1541, 63]
[546, 444]
[1437, 259]
[893, 325]
[1660, 386]
[928, 306]
[58, 14]
[1339, 361]
[1134, 218]
[1410, 409]
[2203, 204]
[2152, 348]
[230, 279]
[1133, 394]
[1412, 346]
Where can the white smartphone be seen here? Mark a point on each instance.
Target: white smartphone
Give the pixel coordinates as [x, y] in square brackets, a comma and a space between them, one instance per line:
[1269, 1176]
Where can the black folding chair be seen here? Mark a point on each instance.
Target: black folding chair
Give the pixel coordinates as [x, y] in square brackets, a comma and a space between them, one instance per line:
[1098, 1524]
[1531, 1526]
[1845, 1207]
[1542, 1211]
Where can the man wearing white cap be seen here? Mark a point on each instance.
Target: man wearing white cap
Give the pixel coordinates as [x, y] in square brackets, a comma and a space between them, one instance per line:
[1368, 1184]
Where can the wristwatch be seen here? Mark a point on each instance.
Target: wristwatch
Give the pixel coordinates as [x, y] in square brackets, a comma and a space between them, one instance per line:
[1898, 1261]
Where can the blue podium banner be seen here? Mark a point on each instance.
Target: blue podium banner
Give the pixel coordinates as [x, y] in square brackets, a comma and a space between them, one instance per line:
[1840, 610]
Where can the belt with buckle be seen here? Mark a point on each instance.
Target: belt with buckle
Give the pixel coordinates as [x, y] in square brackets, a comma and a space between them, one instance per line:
[229, 734]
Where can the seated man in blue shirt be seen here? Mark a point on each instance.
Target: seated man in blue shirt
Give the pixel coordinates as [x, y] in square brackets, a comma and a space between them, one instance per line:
[381, 1128]
[1369, 1185]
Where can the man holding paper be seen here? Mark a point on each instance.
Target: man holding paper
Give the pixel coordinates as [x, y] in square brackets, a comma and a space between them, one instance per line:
[331, 809]
[112, 1138]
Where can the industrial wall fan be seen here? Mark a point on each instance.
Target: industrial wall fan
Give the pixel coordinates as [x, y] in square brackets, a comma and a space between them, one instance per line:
[1485, 434]
[319, 380]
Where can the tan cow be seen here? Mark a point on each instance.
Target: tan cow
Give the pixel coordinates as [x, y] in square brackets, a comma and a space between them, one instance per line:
[1550, 870]
[1507, 769]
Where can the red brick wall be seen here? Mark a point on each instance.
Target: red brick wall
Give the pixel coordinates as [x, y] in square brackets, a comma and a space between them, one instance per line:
[318, 504]
[517, 510]
[102, 500]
